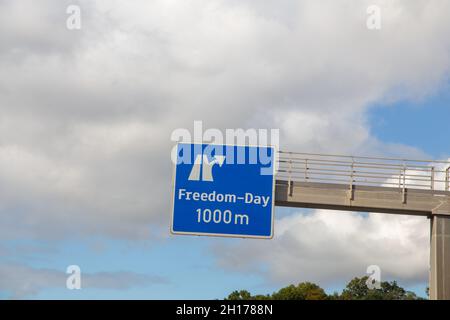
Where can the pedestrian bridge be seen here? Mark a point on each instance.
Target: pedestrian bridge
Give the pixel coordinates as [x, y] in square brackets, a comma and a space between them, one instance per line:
[374, 184]
[419, 187]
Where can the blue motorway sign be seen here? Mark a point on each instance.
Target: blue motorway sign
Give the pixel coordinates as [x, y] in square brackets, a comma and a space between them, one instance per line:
[224, 190]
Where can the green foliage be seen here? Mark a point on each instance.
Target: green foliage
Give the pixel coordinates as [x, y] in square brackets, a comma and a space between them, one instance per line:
[240, 295]
[356, 289]
[303, 291]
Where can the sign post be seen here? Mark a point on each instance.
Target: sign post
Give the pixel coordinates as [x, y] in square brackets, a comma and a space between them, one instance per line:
[224, 190]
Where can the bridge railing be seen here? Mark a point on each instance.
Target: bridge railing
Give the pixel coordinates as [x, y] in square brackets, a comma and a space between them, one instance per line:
[371, 171]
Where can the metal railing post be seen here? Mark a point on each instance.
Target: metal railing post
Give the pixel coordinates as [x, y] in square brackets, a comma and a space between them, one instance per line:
[447, 179]
[404, 184]
[306, 170]
[351, 179]
[432, 178]
[353, 171]
[290, 175]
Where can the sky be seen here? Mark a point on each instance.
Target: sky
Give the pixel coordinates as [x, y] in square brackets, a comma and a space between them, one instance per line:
[86, 117]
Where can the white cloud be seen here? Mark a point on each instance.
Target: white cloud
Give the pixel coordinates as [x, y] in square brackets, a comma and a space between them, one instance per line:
[329, 246]
[20, 281]
[86, 115]
[85, 125]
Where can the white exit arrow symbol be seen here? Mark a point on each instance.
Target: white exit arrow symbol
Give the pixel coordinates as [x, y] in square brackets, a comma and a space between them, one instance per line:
[207, 166]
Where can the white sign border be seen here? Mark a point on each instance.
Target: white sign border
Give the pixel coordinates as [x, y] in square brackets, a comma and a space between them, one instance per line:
[225, 235]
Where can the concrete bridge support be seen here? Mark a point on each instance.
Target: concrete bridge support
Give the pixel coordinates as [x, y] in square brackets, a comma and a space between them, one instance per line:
[440, 258]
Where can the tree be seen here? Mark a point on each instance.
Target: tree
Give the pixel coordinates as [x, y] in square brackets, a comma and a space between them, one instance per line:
[239, 295]
[357, 289]
[303, 291]
[245, 295]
